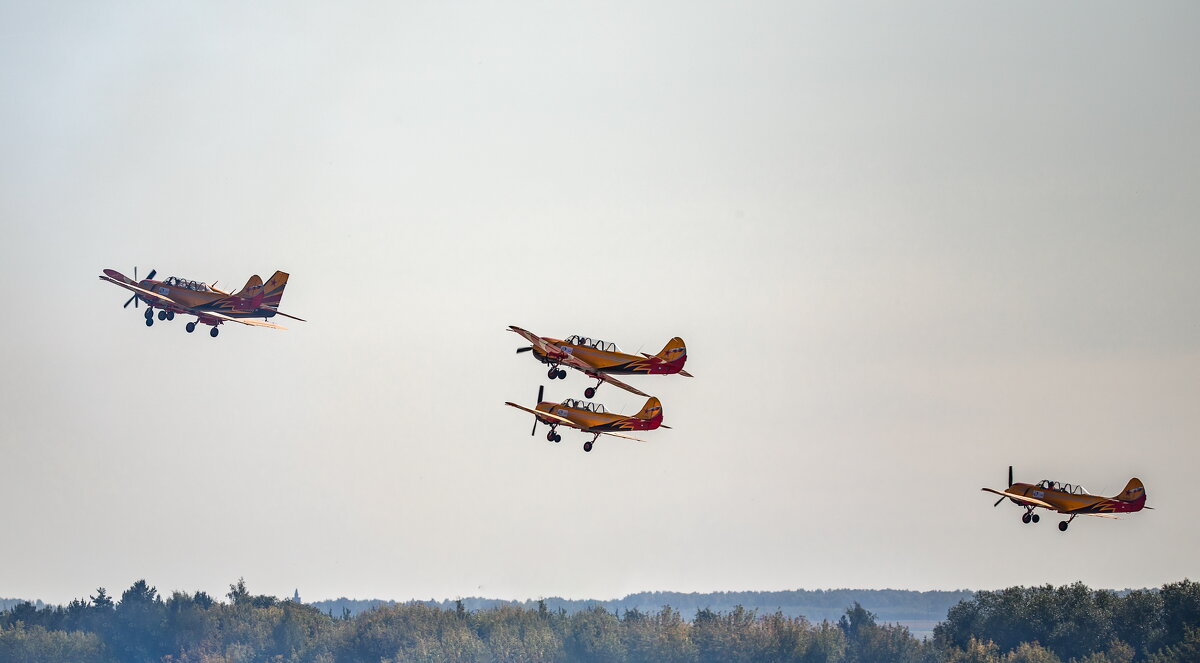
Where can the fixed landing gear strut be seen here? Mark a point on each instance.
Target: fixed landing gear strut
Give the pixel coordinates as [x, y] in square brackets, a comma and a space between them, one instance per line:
[587, 446]
[191, 327]
[591, 391]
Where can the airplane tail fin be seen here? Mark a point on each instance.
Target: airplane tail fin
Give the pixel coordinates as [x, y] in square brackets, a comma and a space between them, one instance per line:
[273, 289]
[651, 410]
[253, 284]
[675, 352]
[1134, 492]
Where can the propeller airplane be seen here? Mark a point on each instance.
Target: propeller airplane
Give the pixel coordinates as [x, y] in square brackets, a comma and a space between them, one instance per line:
[600, 360]
[210, 305]
[1070, 500]
[592, 418]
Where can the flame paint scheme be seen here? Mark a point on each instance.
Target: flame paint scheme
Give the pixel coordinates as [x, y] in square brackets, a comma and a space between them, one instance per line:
[1070, 500]
[210, 305]
[600, 360]
[593, 418]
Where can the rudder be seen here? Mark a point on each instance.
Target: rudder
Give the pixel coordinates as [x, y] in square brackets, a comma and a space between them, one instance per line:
[273, 289]
[675, 352]
[652, 409]
[1134, 491]
[253, 284]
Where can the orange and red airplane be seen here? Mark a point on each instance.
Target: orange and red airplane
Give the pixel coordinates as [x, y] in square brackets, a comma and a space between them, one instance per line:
[592, 418]
[210, 305]
[601, 360]
[1070, 500]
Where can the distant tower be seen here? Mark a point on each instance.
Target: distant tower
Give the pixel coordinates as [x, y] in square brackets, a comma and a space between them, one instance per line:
[296, 596]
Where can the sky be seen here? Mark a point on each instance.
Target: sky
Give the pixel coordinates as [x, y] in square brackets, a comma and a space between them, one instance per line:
[907, 244]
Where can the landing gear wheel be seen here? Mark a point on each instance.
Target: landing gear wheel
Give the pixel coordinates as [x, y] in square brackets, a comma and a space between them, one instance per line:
[552, 373]
[1025, 518]
[191, 327]
[170, 315]
[587, 446]
[589, 392]
[550, 436]
[562, 374]
[1036, 518]
[149, 313]
[213, 332]
[557, 438]
[162, 315]
[149, 321]
[1062, 527]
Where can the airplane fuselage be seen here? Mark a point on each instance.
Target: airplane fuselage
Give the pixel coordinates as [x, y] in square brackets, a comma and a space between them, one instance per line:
[196, 302]
[597, 421]
[211, 307]
[607, 361]
[1082, 503]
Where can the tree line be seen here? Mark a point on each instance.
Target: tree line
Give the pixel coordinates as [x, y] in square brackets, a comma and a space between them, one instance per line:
[1068, 624]
[817, 605]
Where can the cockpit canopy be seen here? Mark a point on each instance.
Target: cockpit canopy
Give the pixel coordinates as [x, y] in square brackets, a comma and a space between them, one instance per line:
[177, 282]
[584, 405]
[1062, 487]
[575, 339]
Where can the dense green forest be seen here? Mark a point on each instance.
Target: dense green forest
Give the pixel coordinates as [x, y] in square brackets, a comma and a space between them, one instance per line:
[889, 605]
[1044, 624]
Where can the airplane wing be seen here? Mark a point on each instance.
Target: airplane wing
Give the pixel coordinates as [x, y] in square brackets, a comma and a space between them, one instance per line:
[142, 291]
[614, 382]
[1022, 498]
[572, 361]
[213, 314]
[1080, 512]
[546, 415]
[537, 341]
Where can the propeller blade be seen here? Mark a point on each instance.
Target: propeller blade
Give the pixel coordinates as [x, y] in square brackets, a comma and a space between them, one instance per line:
[152, 273]
[132, 299]
[998, 501]
[541, 388]
[135, 278]
[527, 348]
[1010, 481]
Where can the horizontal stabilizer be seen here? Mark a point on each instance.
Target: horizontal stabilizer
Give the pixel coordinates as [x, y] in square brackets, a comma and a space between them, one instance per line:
[286, 315]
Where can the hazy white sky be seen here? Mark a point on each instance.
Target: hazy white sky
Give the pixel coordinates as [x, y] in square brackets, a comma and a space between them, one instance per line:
[908, 244]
